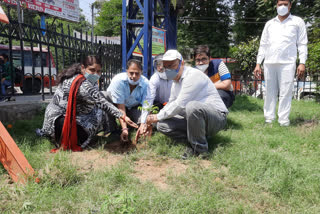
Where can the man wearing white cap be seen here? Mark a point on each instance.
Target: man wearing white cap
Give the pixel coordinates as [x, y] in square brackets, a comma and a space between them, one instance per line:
[195, 109]
[281, 38]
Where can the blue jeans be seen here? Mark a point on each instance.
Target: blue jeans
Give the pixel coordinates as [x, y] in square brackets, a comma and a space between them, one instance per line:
[5, 84]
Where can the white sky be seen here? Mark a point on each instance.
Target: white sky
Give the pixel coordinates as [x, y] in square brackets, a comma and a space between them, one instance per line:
[85, 5]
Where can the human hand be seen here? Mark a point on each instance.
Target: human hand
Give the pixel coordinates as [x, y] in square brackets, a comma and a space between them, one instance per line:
[128, 121]
[300, 71]
[257, 71]
[141, 131]
[124, 137]
[152, 118]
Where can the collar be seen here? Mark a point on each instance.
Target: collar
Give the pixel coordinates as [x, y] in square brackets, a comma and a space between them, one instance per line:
[278, 20]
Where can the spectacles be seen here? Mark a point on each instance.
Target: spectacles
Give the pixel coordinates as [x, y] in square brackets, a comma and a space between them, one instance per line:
[203, 60]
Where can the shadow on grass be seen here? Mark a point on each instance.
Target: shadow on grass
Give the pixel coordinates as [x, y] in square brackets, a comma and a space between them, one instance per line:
[218, 141]
[300, 121]
[245, 103]
[231, 124]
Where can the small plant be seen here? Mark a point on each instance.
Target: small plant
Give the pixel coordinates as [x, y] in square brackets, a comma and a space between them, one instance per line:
[119, 203]
[146, 107]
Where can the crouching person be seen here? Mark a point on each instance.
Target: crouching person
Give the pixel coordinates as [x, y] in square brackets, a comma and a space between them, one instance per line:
[195, 109]
[128, 90]
[78, 110]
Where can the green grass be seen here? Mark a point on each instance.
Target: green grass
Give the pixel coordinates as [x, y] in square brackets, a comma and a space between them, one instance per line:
[253, 168]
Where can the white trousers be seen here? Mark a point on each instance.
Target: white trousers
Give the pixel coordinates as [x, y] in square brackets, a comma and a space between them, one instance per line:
[279, 81]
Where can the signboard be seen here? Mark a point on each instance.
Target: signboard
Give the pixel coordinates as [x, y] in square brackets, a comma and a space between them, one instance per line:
[3, 16]
[158, 42]
[65, 9]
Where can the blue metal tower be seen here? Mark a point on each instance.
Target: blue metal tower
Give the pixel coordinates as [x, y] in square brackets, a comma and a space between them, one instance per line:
[145, 14]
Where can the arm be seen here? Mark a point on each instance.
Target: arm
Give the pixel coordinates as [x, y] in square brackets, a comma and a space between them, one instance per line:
[125, 133]
[302, 49]
[225, 77]
[261, 53]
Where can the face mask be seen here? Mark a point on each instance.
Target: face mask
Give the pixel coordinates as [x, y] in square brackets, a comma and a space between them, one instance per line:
[131, 82]
[172, 73]
[282, 10]
[202, 68]
[93, 78]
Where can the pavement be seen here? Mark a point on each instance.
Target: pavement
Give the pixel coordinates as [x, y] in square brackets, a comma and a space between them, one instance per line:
[24, 107]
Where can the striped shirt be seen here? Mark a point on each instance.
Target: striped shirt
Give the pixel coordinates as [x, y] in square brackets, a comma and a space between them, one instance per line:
[218, 71]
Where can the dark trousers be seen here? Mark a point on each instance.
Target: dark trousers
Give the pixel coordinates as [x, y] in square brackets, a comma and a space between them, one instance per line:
[58, 125]
[227, 97]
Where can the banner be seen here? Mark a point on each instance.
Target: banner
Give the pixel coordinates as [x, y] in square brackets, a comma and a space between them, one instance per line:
[65, 9]
[3, 16]
[158, 42]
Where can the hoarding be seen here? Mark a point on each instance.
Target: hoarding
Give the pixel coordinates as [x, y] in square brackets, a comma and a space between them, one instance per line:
[65, 9]
[158, 42]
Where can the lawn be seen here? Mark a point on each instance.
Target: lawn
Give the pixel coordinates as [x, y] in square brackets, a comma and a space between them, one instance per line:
[253, 168]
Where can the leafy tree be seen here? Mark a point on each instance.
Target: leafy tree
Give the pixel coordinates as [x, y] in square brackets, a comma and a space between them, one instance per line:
[205, 22]
[246, 54]
[109, 19]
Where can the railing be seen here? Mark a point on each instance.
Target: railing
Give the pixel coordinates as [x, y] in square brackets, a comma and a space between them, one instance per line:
[38, 55]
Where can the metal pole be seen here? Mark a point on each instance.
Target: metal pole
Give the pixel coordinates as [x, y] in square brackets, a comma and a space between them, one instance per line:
[92, 19]
[19, 11]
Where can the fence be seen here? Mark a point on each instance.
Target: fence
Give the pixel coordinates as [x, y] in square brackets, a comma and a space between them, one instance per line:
[244, 83]
[37, 55]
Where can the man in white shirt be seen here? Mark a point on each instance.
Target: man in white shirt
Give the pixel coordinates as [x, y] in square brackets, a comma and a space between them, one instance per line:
[158, 93]
[195, 109]
[282, 37]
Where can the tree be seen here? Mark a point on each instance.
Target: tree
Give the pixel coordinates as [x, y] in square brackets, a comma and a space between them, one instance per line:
[109, 19]
[205, 22]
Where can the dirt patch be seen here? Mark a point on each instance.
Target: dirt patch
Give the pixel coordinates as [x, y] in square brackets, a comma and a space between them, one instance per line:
[307, 126]
[157, 171]
[94, 160]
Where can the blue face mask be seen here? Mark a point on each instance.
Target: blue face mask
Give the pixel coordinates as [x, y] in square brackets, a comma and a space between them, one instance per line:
[131, 82]
[93, 78]
[172, 73]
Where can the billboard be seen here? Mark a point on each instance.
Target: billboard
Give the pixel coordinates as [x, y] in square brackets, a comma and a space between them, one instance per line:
[158, 42]
[65, 9]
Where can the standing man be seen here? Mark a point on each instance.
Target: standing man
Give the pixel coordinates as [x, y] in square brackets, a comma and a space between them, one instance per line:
[282, 37]
[217, 71]
[6, 75]
[195, 109]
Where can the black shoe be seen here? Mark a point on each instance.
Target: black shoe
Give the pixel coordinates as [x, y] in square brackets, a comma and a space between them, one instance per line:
[190, 152]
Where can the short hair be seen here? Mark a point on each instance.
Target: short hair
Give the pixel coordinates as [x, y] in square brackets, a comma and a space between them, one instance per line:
[134, 61]
[284, 0]
[5, 56]
[201, 49]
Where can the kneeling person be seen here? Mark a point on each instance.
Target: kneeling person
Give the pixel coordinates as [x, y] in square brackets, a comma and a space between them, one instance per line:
[195, 109]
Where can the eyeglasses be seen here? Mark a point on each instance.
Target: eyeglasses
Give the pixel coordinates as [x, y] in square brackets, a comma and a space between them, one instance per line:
[203, 60]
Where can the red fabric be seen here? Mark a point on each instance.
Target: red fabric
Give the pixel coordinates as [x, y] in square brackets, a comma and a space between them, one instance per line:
[69, 136]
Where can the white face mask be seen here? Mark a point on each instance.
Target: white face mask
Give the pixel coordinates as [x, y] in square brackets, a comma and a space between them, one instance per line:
[202, 68]
[282, 10]
[131, 82]
[162, 75]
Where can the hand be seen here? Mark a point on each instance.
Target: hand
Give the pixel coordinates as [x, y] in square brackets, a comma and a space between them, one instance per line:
[124, 137]
[141, 131]
[129, 122]
[152, 118]
[257, 71]
[300, 71]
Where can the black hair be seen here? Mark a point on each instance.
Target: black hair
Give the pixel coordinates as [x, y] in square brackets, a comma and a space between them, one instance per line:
[201, 49]
[134, 61]
[284, 0]
[76, 68]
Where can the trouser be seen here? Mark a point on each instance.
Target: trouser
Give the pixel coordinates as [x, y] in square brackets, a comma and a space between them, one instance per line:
[5, 84]
[227, 97]
[201, 120]
[279, 80]
[58, 125]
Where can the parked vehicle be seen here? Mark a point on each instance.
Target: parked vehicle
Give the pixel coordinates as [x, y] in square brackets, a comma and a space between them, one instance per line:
[45, 59]
[302, 90]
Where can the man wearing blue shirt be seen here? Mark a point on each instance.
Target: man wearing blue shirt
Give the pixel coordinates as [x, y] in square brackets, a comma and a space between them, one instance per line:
[128, 91]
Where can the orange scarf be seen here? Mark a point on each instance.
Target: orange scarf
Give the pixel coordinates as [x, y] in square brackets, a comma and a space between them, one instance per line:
[69, 136]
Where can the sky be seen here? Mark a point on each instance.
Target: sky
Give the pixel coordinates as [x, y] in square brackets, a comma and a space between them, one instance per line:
[85, 5]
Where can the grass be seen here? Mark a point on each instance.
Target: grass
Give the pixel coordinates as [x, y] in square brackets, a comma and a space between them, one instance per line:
[253, 168]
